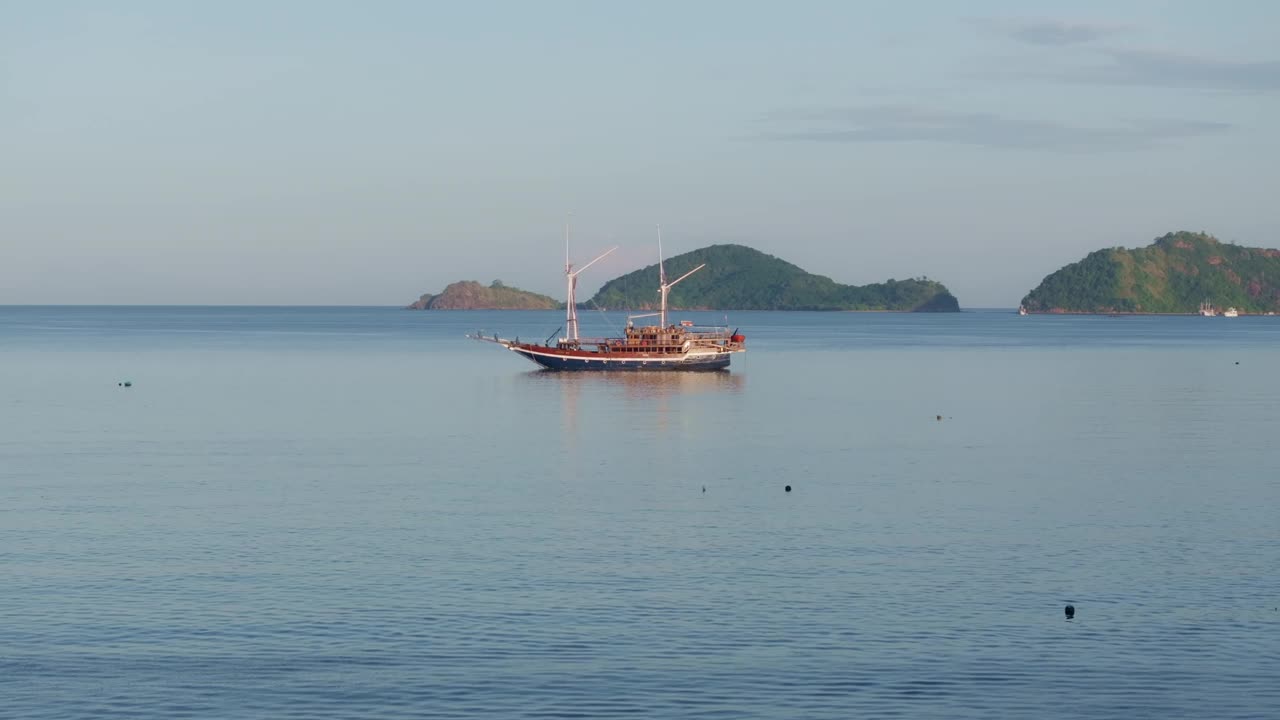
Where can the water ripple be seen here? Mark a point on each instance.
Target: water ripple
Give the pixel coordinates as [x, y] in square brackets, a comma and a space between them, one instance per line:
[334, 530]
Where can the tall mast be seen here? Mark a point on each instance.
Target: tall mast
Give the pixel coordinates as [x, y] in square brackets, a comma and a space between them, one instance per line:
[663, 286]
[571, 278]
[571, 304]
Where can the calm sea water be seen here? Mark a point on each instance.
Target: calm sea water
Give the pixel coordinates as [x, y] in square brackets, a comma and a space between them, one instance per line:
[357, 513]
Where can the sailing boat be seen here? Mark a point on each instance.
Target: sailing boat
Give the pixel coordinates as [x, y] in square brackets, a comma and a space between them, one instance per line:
[661, 346]
[1206, 309]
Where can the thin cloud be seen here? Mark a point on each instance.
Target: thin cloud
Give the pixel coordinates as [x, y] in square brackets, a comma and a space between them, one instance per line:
[910, 123]
[1113, 63]
[1051, 33]
[1152, 68]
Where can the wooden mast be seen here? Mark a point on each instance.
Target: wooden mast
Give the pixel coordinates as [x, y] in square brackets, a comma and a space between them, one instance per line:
[571, 279]
[664, 286]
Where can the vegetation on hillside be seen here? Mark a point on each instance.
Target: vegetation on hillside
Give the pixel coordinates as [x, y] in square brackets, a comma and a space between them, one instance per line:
[741, 278]
[471, 295]
[1174, 274]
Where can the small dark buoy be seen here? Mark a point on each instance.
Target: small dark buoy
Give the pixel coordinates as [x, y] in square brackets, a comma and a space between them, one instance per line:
[939, 417]
[1071, 611]
[128, 384]
[1237, 362]
[704, 488]
[788, 488]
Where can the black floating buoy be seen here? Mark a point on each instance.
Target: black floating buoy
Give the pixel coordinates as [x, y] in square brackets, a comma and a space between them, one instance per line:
[939, 417]
[1070, 611]
[128, 384]
[1237, 362]
[787, 488]
[704, 488]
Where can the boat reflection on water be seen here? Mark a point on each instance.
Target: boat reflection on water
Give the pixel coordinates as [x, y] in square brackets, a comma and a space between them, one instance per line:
[646, 397]
[639, 386]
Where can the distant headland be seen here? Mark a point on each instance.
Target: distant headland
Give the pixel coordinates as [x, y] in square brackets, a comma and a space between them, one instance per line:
[1175, 274]
[741, 278]
[736, 278]
[471, 295]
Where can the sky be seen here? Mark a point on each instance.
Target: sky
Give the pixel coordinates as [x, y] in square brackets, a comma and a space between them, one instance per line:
[343, 153]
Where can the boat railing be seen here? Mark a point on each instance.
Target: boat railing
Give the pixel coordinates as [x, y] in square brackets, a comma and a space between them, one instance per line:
[595, 341]
[696, 338]
[482, 337]
[687, 330]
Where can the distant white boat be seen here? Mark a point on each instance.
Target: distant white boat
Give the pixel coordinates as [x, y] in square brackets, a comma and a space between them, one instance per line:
[1206, 309]
[1022, 309]
[1230, 312]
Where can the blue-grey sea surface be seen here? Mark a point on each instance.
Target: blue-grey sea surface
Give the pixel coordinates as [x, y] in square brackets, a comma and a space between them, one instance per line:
[359, 513]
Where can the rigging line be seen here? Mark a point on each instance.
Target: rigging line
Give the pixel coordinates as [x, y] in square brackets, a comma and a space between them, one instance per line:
[604, 315]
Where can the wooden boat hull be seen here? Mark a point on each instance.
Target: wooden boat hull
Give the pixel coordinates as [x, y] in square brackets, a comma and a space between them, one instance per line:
[578, 360]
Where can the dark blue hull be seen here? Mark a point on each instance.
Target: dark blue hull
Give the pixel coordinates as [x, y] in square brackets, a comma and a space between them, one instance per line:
[554, 361]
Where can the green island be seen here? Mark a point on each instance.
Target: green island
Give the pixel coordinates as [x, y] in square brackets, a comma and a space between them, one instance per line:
[471, 295]
[736, 278]
[1174, 274]
[741, 278]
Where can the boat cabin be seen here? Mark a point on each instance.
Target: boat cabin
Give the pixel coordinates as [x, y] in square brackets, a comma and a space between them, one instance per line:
[655, 340]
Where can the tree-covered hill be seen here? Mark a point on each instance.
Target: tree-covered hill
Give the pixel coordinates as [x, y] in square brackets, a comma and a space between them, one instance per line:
[742, 278]
[1174, 274]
